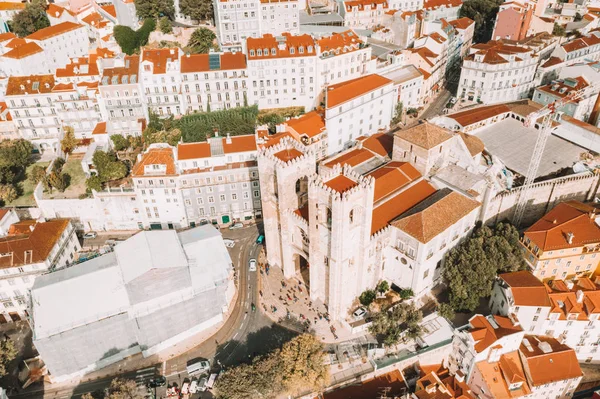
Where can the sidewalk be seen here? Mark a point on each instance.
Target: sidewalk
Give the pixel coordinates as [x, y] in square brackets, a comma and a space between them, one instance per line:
[276, 295]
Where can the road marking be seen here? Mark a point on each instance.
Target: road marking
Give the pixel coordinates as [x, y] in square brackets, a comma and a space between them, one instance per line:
[248, 296]
[236, 335]
[246, 315]
[227, 344]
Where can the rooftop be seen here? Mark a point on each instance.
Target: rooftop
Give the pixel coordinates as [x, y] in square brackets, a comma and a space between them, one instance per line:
[568, 221]
[425, 135]
[498, 375]
[160, 58]
[32, 84]
[485, 331]
[23, 51]
[284, 46]
[310, 124]
[341, 184]
[548, 360]
[391, 177]
[526, 289]
[212, 62]
[156, 161]
[54, 30]
[342, 92]
[216, 146]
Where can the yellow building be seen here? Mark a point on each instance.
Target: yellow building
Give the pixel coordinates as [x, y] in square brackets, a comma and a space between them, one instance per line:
[564, 243]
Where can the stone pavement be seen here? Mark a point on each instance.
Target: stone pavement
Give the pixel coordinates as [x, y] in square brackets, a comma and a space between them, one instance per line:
[280, 296]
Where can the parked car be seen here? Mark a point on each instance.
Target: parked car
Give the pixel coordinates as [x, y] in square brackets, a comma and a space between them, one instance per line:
[211, 381]
[90, 235]
[198, 367]
[260, 240]
[159, 381]
[228, 243]
[236, 226]
[359, 313]
[252, 265]
[202, 384]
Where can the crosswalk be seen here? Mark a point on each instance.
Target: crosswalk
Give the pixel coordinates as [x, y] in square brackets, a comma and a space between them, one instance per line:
[142, 376]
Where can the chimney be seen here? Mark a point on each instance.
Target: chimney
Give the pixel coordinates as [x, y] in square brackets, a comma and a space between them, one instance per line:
[459, 376]
[579, 296]
[228, 139]
[570, 237]
[569, 284]
[216, 131]
[31, 228]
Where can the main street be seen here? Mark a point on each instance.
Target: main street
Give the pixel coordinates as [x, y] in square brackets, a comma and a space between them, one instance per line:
[244, 334]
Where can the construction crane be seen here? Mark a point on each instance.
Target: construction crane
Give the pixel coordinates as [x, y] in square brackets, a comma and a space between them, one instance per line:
[547, 114]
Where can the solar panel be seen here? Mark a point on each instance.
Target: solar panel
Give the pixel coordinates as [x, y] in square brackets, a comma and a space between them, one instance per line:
[214, 61]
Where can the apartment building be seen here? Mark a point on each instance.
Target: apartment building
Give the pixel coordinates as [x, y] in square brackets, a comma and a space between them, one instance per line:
[238, 20]
[282, 71]
[77, 106]
[342, 56]
[580, 109]
[409, 81]
[160, 76]
[513, 20]
[219, 181]
[442, 9]
[62, 42]
[465, 28]
[81, 69]
[8, 129]
[214, 81]
[30, 102]
[154, 179]
[494, 72]
[565, 243]
[564, 309]
[121, 100]
[365, 14]
[29, 249]
[358, 107]
[437, 382]
[583, 49]
[24, 58]
[57, 14]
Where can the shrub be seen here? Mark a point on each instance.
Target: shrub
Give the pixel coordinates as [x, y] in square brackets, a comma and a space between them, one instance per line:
[367, 297]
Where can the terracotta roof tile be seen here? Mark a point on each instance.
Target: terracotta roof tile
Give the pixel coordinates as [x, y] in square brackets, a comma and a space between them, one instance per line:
[473, 143]
[310, 124]
[494, 373]
[110, 9]
[526, 289]
[236, 144]
[78, 67]
[55, 30]
[100, 128]
[562, 88]
[426, 221]
[160, 57]
[24, 51]
[131, 68]
[361, 4]
[550, 232]
[303, 212]
[56, 11]
[391, 177]
[288, 154]
[25, 84]
[14, 43]
[372, 388]
[342, 92]
[485, 334]
[475, 115]
[155, 156]
[352, 158]
[200, 62]
[268, 46]
[551, 62]
[548, 367]
[344, 42]
[433, 4]
[7, 36]
[380, 143]
[462, 23]
[398, 204]
[425, 135]
[9, 5]
[40, 241]
[341, 184]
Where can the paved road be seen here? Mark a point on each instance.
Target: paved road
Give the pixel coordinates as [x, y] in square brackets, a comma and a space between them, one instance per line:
[437, 105]
[244, 334]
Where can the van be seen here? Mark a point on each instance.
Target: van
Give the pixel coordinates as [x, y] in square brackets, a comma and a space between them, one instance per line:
[211, 381]
[198, 367]
[260, 239]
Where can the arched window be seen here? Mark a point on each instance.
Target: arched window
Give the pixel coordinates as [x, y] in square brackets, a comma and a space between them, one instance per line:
[329, 218]
[351, 216]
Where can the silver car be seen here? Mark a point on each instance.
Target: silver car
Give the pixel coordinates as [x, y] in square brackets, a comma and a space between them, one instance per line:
[252, 265]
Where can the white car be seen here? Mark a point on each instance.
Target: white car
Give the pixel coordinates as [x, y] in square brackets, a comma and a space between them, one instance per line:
[228, 243]
[359, 313]
[90, 235]
[252, 265]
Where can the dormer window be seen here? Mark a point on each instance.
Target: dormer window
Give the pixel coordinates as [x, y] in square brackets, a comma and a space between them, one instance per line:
[310, 49]
[292, 50]
[273, 51]
[259, 52]
[251, 53]
[301, 50]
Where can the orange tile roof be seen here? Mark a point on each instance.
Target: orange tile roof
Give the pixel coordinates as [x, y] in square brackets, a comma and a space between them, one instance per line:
[14, 84]
[4, 115]
[544, 367]
[563, 88]
[160, 57]
[462, 23]
[100, 128]
[473, 143]
[550, 232]
[551, 62]
[495, 375]
[14, 43]
[433, 4]
[398, 204]
[391, 177]
[342, 92]
[40, 241]
[526, 289]
[155, 156]
[110, 9]
[199, 62]
[341, 184]
[485, 334]
[425, 135]
[267, 44]
[352, 158]
[436, 382]
[243, 143]
[475, 115]
[273, 139]
[56, 11]
[7, 5]
[380, 143]
[303, 212]
[55, 30]
[24, 51]
[288, 154]
[237, 144]
[93, 19]
[310, 124]
[78, 67]
[581, 43]
[372, 388]
[131, 68]
[7, 36]
[362, 4]
[427, 221]
[344, 42]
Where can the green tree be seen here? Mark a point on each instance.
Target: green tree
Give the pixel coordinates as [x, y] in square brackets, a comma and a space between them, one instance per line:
[68, 142]
[108, 167]
[383, 287]
[121, 388]
[134, 142]
[271, 119]
[165, 25]
[120, 143]
[483, 12]
[389, 326]
[155, 8]
[559, 30]
[7, 193]
[406, 293]
[197, 10]
[37, 174]
[59, 181]
[201, 41]
[398, 113]
[367, 297]
[302, 364]
[31, 19]
[94, 183]
[445, 310]
[199, 126]
[126, 38]
[170, 137]
[57, 165]
[8, 353]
